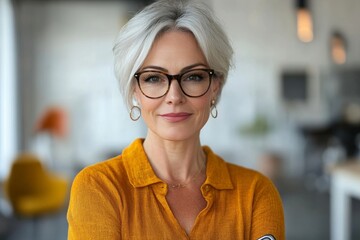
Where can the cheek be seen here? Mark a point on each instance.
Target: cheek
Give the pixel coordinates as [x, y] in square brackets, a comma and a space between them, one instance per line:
[143, 102]
[203, 108]
[148, 106]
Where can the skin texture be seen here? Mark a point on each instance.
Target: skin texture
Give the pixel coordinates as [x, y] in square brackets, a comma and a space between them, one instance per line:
[174, 122]
[173, 52]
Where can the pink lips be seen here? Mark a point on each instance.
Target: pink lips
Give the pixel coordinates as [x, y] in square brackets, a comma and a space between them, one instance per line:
[176, 117]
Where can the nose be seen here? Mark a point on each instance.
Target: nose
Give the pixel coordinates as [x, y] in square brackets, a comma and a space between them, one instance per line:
[175, 94]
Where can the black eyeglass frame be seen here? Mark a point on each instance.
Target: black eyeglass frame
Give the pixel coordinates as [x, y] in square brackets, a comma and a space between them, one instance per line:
[177, 77]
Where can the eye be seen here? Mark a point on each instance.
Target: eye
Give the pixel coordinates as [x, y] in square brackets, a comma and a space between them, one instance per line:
[152, 78]
[196, 76]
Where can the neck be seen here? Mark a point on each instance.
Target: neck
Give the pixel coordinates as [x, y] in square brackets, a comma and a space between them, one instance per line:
[175, 161]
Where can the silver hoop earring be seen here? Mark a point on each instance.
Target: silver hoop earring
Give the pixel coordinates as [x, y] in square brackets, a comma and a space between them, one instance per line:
[213, 109]
[135, 113]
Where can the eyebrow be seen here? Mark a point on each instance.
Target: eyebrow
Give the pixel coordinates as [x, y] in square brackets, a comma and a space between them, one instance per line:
[165, 70]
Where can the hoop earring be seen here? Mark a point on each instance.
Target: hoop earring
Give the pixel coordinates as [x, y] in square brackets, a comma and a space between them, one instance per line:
[213, 109]
[135, 113]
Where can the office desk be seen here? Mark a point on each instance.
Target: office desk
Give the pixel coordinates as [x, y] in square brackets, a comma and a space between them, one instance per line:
[345, 183]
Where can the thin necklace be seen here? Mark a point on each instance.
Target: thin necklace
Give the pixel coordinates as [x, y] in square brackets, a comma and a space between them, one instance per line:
[177, 186]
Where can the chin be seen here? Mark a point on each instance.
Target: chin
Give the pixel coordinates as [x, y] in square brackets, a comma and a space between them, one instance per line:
[178, 135]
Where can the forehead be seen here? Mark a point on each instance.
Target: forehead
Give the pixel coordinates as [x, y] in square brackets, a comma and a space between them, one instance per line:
[174, 50]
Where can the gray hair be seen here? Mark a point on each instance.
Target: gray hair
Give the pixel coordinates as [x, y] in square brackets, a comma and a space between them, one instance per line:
[137, 36]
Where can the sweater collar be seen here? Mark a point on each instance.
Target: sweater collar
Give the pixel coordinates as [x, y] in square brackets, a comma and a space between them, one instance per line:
[141, 173]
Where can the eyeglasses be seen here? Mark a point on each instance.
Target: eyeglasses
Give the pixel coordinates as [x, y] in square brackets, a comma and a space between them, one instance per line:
[156, 84]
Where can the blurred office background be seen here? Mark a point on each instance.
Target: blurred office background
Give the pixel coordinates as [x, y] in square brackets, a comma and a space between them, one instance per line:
[290, 108]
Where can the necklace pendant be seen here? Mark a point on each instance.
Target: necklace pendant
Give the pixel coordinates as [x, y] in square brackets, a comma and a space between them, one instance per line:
[177, 186]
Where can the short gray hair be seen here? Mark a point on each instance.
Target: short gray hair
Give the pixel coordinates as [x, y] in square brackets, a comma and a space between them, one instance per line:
[137, 36]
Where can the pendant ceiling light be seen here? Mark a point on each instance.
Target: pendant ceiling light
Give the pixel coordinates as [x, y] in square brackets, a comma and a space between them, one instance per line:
[304, 21]
[338, 48]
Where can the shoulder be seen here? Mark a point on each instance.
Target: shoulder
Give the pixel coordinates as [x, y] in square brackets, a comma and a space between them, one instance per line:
[106, 167]
[226, 175]
[103, 173]
[240, 173]
[250, 179]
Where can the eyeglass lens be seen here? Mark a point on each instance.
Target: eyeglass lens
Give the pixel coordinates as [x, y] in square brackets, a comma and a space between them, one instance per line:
[193, 83]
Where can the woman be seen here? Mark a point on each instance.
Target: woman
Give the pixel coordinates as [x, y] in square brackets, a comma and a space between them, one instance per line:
[172, 60]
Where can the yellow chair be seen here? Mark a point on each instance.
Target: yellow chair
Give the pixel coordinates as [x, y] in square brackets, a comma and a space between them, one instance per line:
[32, 190]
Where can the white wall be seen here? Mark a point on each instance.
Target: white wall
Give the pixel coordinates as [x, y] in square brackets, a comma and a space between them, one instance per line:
[66, 59]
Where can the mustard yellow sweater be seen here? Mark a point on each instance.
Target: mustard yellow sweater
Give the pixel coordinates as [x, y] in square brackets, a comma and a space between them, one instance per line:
[122, 198]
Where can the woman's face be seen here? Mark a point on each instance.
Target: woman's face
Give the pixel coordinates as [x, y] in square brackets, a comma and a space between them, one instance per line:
[176, 116]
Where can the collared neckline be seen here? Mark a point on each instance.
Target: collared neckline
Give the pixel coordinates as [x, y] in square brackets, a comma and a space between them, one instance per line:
[138, 166]
[141, 173]
[217, 173]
